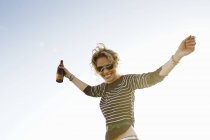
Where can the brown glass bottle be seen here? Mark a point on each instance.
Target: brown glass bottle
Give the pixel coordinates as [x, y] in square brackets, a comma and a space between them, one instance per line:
[60, 73]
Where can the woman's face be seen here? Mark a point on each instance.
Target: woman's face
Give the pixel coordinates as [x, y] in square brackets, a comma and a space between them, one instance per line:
[106, 69]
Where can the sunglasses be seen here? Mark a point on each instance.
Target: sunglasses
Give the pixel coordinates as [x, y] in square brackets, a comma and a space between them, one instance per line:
[108, 67]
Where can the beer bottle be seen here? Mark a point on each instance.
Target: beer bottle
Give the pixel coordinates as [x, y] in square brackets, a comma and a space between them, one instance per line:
[60, 73]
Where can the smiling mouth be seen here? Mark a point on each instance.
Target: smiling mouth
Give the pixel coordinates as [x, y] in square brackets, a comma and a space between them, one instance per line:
[107, 76]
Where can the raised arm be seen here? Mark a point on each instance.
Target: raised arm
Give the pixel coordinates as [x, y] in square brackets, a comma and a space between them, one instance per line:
[186, 47]
[93, 91]
[77, 82]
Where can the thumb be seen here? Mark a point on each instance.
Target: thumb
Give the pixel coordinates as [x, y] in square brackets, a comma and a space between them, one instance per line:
[187, 38]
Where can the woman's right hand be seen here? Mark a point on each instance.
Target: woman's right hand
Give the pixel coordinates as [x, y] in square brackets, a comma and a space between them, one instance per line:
[67, 74]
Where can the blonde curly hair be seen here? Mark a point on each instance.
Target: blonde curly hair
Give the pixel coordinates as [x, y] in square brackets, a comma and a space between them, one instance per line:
[102, 51]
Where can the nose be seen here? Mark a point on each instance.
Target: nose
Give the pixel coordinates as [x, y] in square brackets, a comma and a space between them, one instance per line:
[105, 70]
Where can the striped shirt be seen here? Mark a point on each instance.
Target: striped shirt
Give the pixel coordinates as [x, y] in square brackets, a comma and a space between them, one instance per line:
[117, 98]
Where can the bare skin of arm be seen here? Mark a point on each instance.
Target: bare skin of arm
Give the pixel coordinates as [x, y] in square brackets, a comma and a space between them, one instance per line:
[77, 82]
[186, 47]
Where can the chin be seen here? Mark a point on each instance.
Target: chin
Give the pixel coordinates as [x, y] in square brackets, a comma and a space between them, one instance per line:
[110, 80]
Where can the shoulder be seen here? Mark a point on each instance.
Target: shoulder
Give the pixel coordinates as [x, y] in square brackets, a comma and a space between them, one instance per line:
[131, 76]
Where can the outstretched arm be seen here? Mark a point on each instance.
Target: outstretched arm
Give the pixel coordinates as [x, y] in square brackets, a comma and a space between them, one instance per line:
[94, 91]
[77, 82]
[186, 47]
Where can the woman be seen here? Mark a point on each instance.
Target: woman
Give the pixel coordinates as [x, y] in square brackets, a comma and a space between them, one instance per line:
[117, 92]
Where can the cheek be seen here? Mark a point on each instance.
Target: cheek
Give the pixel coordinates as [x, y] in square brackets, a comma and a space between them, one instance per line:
[101, 74]
[113, 72]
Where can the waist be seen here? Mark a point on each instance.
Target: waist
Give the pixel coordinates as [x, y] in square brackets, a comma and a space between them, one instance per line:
[118, 125]
[129, 133]
[117, 129]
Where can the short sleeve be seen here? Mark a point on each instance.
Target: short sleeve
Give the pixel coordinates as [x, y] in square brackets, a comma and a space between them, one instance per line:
[139, 81]
[95, 91]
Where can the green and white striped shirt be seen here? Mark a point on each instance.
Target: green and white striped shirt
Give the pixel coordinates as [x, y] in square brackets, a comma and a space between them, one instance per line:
[117, 98]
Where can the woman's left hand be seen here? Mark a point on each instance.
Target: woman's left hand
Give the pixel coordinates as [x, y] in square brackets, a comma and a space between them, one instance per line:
[186, 47]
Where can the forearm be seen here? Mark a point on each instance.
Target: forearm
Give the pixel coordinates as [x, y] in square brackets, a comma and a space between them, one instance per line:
[77, 82]
[170, 64]
[186, 47]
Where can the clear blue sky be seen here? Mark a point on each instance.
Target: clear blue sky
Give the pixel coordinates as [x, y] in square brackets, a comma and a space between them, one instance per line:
[36, 34]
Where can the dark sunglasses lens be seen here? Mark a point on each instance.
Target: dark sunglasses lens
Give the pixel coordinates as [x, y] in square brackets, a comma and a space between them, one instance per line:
[99, 69]
[109, 67]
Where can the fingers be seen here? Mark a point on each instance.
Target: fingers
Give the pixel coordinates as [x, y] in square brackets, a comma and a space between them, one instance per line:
[61, 67]
[190, 38]
[187, 38]
[190, 41]
[190, 44]
[66, 71]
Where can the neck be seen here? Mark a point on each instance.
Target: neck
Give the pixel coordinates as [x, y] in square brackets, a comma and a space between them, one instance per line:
[115, 78]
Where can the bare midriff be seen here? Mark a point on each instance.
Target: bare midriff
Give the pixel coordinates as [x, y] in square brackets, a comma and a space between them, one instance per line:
[129, 132]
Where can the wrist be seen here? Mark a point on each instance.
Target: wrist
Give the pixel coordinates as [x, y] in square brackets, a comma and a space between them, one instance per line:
[70, 77]
[175, 60]
[176, 57]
